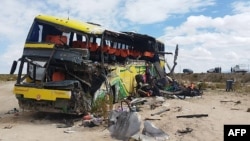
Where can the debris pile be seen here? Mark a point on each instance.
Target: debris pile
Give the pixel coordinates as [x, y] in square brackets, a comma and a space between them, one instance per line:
[91, 120]
[124, 123]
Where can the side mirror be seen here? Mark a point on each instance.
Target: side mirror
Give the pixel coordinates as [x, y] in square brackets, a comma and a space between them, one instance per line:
[13, 67]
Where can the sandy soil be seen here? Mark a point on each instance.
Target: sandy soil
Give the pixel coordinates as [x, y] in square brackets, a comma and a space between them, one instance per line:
[33, 126]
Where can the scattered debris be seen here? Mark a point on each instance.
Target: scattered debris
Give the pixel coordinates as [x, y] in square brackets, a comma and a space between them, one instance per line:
[97, 121]
[192, 116]
[67, 123]
[160, 112]
[177, 109]
[138, 101]
[159, 99]
[8, 127]
[123, 124]
[88, 123]
[90, 120]
[13, 111]
[69, 131]
[185, 131]
[236, 102]
[234, 109]
[87, 117]
[152, 119]
[162, 115]
[63, 126]
[154, 105]
[175, 90]
[157, 102]
[141, 137]
[135, 104]
[152, 131]
[248, 110]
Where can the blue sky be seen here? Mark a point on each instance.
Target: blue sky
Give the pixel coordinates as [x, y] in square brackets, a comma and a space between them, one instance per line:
[210, 33]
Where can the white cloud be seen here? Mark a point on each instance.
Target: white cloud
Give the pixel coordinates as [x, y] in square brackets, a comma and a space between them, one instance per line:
[150, 11]
[12, 52]
[232, 55]
[105, 12]
[211, 41]
[204, 41]
[241, 7]
[17, 17]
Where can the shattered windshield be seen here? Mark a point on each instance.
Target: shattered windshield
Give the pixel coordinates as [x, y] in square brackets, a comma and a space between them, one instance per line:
[38, 69]
[42, 32]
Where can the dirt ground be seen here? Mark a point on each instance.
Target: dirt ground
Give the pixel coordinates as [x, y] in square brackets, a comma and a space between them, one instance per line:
[33, 126]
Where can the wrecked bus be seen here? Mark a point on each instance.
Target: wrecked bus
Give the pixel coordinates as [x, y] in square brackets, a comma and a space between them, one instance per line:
[67, 65]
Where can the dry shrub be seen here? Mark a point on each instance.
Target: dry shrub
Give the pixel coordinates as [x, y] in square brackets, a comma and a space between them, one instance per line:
[246, 79]
[216, 78]
[102, 106]
[241, 87]
[202, 85]
[246, 89]
[237, 86]
[211, 86]
[220, 85]
[8, 77]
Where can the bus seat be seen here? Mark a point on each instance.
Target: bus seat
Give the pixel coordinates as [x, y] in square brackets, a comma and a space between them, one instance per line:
[124, 52]
[118, 52]
[93, 47]
[111, 50]
[84, 45]
[106, 48]
[58, 76]
[148, 54]
[135, 53]
[76, 44]
[56, 39]
[79, 44]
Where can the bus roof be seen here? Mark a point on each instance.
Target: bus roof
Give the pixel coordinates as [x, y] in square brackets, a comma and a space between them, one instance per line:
[74, 24]
[143, 42]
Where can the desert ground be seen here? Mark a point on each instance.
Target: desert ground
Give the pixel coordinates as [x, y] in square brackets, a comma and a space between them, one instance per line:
[221, 107]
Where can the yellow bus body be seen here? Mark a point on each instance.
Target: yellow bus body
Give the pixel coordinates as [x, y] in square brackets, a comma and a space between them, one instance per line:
[39, 45]
[74, 24]
[41, 94]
